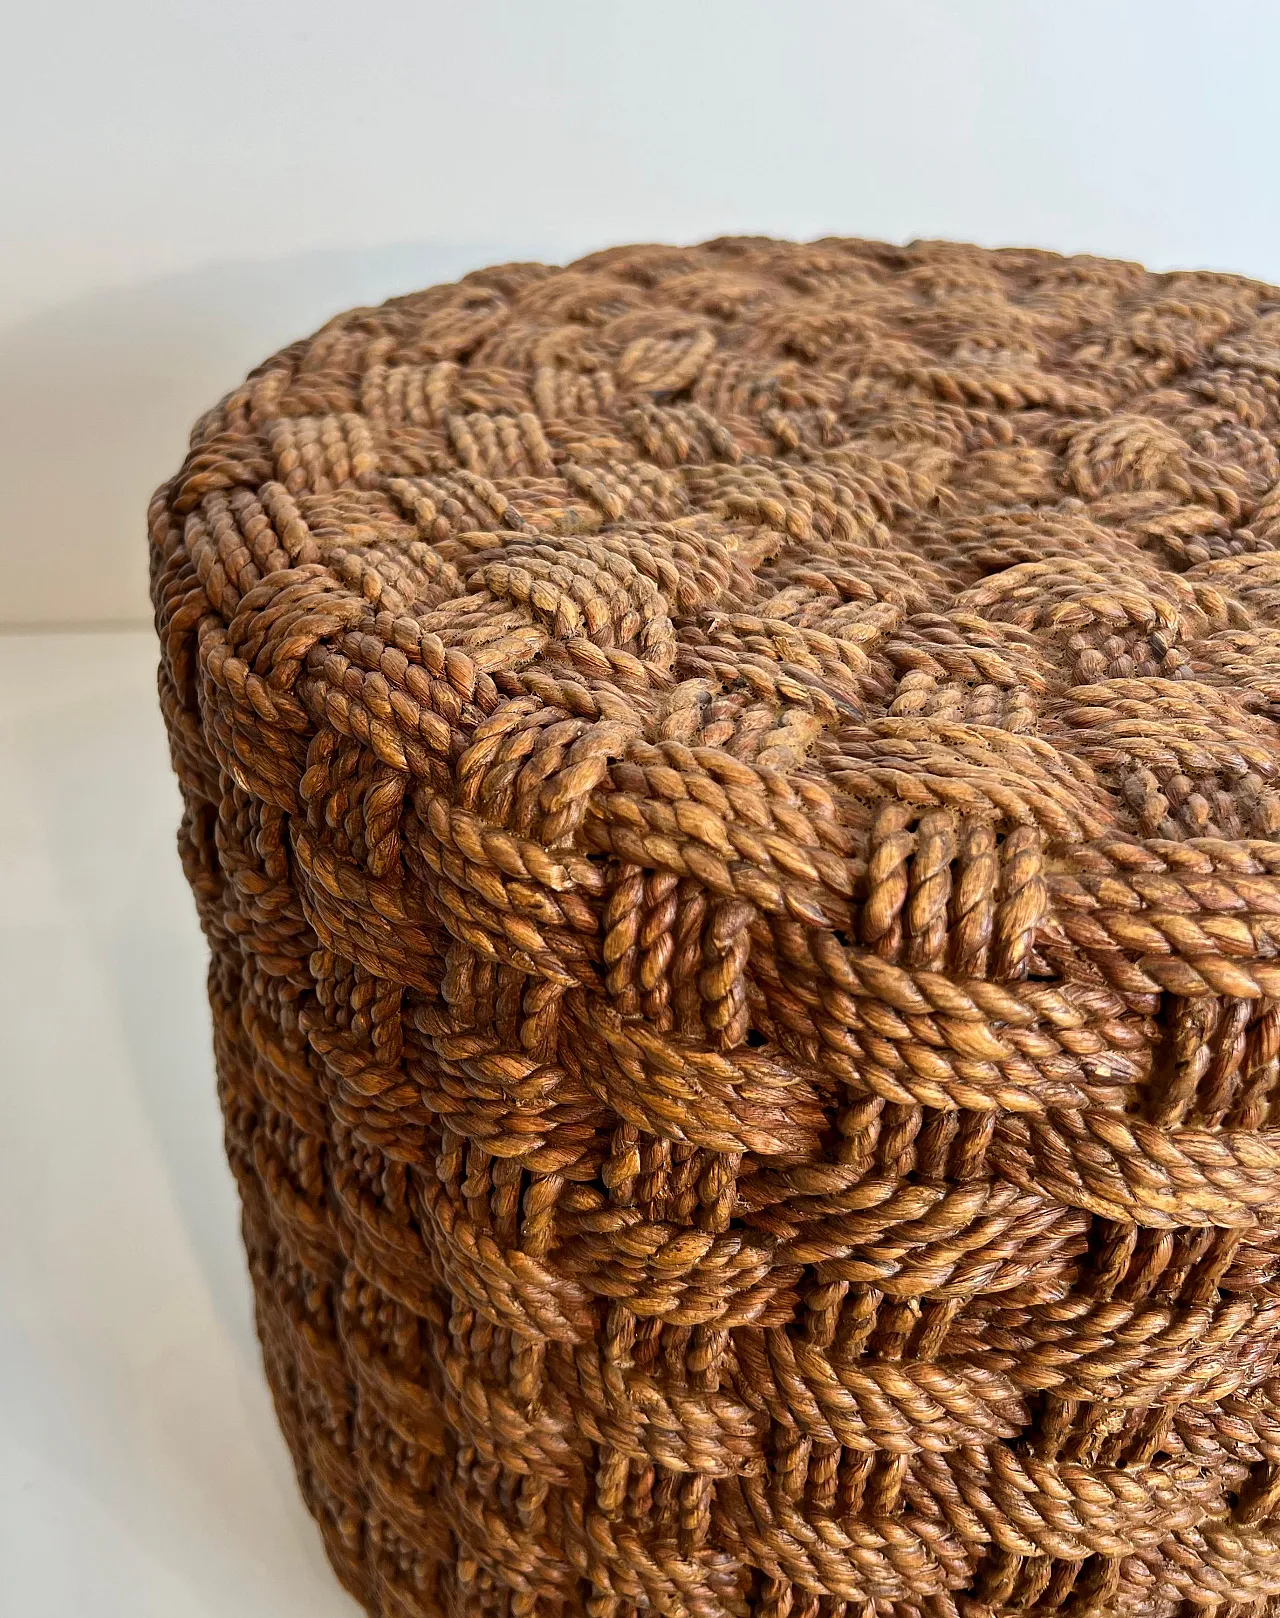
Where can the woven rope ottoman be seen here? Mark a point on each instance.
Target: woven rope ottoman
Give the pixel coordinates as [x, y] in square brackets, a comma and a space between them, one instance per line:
[732, 793]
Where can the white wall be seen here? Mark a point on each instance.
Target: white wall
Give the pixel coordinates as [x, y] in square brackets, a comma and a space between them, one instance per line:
[186, 185]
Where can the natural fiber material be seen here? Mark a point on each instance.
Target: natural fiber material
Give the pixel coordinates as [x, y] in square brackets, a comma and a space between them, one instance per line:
[732, 792]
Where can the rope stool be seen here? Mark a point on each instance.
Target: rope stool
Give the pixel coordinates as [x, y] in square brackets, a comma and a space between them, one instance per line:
[733, 796]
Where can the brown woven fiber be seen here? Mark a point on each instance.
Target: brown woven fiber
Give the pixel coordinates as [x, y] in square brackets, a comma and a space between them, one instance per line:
[732, 792]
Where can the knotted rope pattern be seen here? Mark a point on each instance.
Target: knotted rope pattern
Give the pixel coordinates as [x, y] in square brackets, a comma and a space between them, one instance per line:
[733, 796]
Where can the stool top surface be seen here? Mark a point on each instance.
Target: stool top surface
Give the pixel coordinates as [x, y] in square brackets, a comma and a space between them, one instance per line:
[780, 554]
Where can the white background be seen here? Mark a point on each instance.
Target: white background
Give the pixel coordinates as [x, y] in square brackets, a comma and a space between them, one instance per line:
[186, 185]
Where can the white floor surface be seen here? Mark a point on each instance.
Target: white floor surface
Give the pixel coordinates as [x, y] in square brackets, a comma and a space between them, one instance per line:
[141, 1472]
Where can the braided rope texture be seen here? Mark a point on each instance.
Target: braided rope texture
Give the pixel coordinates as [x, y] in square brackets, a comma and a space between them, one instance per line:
[733, 796]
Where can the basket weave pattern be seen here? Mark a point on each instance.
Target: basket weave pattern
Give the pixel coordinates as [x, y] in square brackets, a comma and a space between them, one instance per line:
[732, 793]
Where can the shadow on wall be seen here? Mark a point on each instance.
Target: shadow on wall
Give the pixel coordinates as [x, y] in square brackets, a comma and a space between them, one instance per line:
[98, 395]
